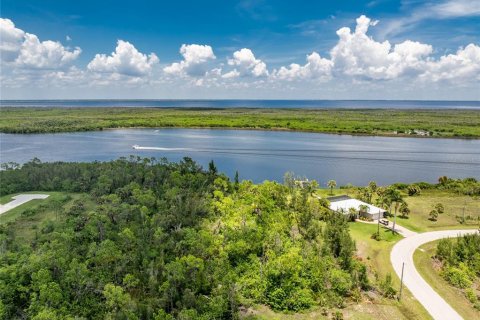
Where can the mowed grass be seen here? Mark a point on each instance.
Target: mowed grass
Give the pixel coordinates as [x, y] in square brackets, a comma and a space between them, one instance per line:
[421, 206]
[28, 219]
[7, 198]
[431, 273]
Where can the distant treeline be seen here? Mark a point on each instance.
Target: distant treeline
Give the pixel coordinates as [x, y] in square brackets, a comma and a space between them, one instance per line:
[467, 186]
[389, 122]
[150, 239]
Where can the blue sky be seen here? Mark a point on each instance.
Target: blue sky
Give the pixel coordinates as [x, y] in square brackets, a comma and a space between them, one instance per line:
[435, 34]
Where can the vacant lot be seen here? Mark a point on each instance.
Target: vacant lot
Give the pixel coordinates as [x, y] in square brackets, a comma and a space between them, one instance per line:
[454, 204]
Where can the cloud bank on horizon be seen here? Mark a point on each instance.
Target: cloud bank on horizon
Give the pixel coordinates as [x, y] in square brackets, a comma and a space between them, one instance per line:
[355, 63]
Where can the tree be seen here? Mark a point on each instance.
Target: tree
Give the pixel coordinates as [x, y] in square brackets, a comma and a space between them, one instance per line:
[236, 180]
[372, 185]
[311, 186]
[440, 208]
[443, 180]
[413, 190]
[289, 180]
[118, 302]
[433, 215]
[395, 197]
[212, 168]
[363, 208]
[331, 184]
[338, 240]
[352, 212]
[404, 209]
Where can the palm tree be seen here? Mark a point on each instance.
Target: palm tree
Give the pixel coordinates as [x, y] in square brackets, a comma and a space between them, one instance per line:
[383, 202]
[352, 213]
[395, 198]
[312, 186]
[372, 185]
[363, 208]
[331, 184]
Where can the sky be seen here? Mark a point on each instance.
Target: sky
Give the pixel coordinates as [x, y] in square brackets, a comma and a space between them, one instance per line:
[250, 49]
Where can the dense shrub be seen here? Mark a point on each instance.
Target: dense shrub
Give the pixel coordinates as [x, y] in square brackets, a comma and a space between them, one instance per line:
[457, 276]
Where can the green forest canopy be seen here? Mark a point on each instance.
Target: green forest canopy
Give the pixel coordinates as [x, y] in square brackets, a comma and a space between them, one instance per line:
[158, 240]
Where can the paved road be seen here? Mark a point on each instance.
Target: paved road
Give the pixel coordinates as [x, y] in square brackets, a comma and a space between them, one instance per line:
[402, 230]
[403, 251]
[19, 200]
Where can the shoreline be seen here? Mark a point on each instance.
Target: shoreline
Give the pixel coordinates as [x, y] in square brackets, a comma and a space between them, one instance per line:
[353, 134]
[404, 123]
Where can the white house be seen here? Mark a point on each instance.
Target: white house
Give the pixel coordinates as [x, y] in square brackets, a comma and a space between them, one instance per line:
[344, 203]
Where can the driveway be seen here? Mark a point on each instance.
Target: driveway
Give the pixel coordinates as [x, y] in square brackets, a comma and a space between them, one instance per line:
[403, 251]
[19, 200]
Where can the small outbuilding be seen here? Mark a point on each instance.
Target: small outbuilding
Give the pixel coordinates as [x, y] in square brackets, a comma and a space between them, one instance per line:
[344, 203]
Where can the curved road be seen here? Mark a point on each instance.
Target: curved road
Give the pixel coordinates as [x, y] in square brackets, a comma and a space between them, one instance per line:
[403, 251]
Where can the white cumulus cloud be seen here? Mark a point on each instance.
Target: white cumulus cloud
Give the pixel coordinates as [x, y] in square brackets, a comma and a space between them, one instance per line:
[358, 55]
[464, 65]
[195, 60]
[11, 39]
[24, 50]
[126, 60]
[247, 64]
[315, 68]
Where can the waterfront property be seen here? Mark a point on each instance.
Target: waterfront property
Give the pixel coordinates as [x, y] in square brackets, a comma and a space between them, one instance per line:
[345, 204]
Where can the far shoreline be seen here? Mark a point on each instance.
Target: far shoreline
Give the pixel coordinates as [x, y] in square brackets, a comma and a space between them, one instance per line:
[387, 122]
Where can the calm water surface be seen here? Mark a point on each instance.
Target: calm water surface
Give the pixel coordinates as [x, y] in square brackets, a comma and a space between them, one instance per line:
[261, 155]
[306, 104]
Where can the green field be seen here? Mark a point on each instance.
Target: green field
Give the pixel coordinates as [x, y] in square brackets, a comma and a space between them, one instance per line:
[454, 296]
[421, 205]
[386, 122]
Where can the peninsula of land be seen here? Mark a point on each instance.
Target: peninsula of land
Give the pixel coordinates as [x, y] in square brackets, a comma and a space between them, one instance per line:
[442, 123]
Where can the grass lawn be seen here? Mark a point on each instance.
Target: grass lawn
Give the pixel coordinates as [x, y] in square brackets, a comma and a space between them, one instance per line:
[28, 218]
[421, 206]
[6, 199]
[454, 296]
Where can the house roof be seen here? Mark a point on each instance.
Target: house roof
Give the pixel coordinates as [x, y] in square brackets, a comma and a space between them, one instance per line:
[348, 203]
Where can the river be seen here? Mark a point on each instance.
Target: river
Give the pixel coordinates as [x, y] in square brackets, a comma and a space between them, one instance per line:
[262, 155]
